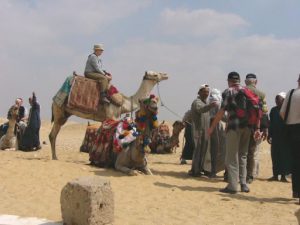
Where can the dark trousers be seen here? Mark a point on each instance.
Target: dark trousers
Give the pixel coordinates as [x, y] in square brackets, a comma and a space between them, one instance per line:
[296, 167]
[294, 139]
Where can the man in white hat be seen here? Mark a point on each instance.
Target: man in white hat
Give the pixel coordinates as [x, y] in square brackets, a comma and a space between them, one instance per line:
[93, 70]
[200, 119]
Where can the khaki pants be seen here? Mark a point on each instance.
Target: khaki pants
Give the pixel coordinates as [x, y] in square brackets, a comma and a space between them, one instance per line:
[253, 157]
[100, 77]
[237, 143]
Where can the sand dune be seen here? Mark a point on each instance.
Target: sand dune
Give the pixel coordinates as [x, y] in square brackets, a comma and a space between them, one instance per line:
[31, 184]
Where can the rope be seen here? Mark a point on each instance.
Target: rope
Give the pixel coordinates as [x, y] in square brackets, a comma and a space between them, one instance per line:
[163, 105]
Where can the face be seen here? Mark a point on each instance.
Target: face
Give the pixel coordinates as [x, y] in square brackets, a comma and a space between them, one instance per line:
[204, 93]
[98, 52]
[279, 100]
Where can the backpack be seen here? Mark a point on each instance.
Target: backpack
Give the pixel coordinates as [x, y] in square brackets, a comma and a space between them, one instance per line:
[248, 107]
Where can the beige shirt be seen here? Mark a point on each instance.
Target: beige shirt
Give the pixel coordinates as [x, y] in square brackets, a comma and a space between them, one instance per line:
[294, 113]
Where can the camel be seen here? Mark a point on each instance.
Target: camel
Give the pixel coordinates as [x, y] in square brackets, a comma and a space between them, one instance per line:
[8, 141]
[60, 115]
[170, 143]
[131, 159]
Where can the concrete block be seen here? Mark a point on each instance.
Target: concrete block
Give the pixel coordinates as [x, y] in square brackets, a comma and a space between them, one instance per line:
[87, 201]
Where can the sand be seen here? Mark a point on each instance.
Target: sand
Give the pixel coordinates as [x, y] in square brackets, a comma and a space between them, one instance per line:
[31, 184]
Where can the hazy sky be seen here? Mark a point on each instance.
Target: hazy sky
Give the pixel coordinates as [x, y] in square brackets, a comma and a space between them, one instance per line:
[195, 42]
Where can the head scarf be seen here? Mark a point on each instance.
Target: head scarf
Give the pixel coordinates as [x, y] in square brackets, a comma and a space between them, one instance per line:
[282, 94]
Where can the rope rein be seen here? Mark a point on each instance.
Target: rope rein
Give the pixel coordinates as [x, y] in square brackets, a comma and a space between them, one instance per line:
[163, 105]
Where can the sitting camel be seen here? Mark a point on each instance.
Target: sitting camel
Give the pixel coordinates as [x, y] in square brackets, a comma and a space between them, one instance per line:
[8, 141]
[161, 143]
[132, 159]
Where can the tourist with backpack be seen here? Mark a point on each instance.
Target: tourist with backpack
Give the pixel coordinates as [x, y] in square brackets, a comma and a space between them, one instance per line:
[240, 118]
[254, 145]
[290, 113]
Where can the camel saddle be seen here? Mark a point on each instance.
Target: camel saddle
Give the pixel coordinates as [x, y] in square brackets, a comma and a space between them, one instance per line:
[84, 95]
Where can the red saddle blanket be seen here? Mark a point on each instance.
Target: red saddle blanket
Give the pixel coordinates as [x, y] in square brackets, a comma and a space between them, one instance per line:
[84, 95]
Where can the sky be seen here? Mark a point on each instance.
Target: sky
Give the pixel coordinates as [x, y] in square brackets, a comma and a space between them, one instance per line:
[193, 41]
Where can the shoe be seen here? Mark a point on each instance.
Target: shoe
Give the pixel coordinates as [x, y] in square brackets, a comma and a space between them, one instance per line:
[193, 174]
[227, 191]
[249, 179]
[274, 178]
[38, 147]
[183, 161]
[212, 175]
[244, 188]
[105, 100]
[283, 179]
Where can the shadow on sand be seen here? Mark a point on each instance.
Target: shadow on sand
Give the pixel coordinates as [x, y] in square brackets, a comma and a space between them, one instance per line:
[297, 214]
[184, 175]
[187, 188]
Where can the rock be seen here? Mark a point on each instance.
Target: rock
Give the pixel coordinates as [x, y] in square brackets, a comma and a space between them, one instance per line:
[87, 201]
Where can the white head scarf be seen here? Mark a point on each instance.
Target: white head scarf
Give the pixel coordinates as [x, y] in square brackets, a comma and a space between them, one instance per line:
[282, 94]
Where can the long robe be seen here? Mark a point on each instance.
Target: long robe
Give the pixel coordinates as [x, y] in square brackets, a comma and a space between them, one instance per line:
[31, 137]
[280, 149]
[200, 125]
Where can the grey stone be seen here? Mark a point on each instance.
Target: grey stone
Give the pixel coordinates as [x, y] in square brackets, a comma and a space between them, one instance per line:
[87, 201]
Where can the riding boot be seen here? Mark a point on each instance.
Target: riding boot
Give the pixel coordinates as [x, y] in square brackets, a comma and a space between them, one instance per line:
[103, 96]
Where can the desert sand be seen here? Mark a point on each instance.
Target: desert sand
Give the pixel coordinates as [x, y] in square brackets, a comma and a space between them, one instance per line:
[31, 184]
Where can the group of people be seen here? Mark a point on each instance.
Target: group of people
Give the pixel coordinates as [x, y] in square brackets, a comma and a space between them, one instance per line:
[27, 126]
[239, 122]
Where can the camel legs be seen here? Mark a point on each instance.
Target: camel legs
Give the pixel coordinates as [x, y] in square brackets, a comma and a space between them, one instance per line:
[52, 137]
[120, 167]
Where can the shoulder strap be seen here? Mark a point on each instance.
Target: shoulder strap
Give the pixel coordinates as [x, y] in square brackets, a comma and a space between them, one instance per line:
[288, 106]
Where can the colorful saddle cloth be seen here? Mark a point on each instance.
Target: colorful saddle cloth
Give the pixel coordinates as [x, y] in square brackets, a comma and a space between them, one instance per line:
[84, 95]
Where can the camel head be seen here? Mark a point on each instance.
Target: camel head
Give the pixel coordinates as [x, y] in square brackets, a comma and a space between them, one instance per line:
[13, 112]
[155, 76]
[149, 105]
[177, 127]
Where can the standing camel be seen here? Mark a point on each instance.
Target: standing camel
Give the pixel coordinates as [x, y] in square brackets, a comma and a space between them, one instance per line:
[8, 141]
[60, 115]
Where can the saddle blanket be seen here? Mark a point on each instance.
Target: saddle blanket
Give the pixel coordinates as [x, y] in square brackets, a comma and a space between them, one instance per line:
[84, 95]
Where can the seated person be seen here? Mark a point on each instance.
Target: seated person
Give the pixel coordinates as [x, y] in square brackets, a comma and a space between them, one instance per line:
[20, 119]
[93, 70]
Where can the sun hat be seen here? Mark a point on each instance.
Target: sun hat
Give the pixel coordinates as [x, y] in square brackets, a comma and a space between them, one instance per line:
[98, 47]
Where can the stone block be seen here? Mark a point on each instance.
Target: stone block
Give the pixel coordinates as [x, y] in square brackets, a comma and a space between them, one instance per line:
[87, 201]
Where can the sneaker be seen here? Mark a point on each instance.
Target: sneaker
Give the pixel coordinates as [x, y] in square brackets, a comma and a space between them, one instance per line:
[227, 191]
[283, 179]
[244, 188]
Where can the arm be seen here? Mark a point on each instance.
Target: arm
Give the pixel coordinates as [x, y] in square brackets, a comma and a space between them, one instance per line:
[201, 107]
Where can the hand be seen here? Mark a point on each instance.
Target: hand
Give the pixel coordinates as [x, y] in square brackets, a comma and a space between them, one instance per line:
[257, 135]
[214, 104]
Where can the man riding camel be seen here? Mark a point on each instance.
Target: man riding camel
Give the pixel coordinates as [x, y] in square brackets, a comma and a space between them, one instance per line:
[93, 70]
